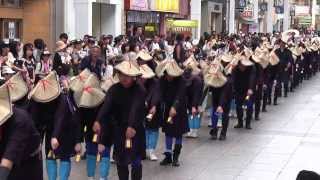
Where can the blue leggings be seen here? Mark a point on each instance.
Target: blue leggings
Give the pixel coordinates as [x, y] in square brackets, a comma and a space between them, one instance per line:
[92, 151]
[194, 121]
[64, 169]
[169, 142]
[152, 136]
[214, 117]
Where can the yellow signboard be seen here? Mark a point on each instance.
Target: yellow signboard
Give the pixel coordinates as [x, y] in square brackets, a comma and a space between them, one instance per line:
[167, 5]
[182, 23]
[150, 28]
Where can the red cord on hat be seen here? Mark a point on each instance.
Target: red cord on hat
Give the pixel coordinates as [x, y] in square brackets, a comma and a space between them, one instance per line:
[87, 89]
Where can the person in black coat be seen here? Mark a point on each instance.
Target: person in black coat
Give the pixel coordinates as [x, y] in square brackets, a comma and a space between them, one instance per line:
[221, 102]
[194, 93]
[152, 108]
[259, 82]
[243, 82]
[20, 152]
[124, 108]
[286, 61]
[174, 109]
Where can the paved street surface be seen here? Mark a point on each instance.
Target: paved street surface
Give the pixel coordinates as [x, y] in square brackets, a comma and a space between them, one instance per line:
[285, 141]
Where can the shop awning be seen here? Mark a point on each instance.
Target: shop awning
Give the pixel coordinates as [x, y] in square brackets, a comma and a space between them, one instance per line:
[183, 23]
[246, 21]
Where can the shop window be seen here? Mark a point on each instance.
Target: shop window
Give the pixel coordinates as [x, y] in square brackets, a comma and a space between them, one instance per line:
[11, 29]
[11, 3]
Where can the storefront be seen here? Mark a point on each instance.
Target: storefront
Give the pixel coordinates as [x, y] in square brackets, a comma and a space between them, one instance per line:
[186, 27]
[302, 18]
[149, 21]
[152, 15]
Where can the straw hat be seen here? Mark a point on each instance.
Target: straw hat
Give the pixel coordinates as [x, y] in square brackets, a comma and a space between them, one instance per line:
[274, 59]
[107, 82]
[214, 77]
[91, 94]
[226, 58]
[195, 70]
[144, 56]
[128, 68]
[190, 60]
[77, 82]
[17, 86]
[5, 104]
[286, 35]
[7, 70]
[169, 66]
[245, 58]
[146, 72]
[314, 47]
[296, 51]
[47, 89]
[60, 45]
[229, 68]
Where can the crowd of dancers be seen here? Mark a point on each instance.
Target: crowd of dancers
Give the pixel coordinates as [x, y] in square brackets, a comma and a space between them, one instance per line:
[106, 100]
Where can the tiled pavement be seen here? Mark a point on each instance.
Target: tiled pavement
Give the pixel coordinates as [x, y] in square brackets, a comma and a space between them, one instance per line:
[285, 141]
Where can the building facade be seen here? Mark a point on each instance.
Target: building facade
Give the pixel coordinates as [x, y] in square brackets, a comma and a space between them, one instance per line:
[94, 17]
[26, 20]
[213, 16]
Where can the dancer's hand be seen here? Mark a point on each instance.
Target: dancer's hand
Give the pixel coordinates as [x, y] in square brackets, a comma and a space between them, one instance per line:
[130, 133]
[54, 143]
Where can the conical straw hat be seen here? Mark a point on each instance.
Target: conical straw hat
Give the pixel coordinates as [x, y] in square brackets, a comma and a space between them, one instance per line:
[146, 72]
[226, 58]
[47, 89]
[129, 68]
[108, 82]
[214, 77]
[274, 59]
[5, 104]
[314, 47]
[190, 60]
[229, 68]
[17, 86]
[77, 82]
[204, 65]
[144, 55]
[91, 95]
[169, 66]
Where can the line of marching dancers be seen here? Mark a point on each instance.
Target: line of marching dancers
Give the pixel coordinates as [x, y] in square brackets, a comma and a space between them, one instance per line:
[126, 110]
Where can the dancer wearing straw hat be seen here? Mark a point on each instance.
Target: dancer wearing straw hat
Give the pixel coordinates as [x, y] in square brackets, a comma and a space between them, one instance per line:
[124, 108]
[244, 78]
[286, 61]
[89, 97]
[153, 113]
[220, 84]
[194, 83]
[173, 102]
[55, 116]
[257, 58]
[20, 150]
